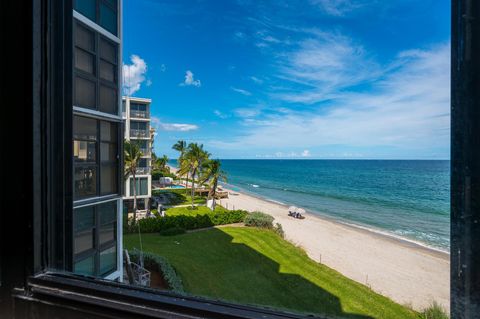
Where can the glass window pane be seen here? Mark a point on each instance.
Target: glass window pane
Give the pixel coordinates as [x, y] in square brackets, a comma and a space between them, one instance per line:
[108, 18]
[84, 218]
[108, 260]
[141, 189]
[144, 186]
[84, 222]
[138, 107]
[108, 100]
[108, 131]
[107, 233]
[85, 93]
[87, 8]
[84, 128]
[85, 181]
[85, 266]
[84, 61]
[108, 50]
[84, 151]
[107, 212]
[108, 152]
[108, 179]
[107, 71]
[142, 162]
[84, 38]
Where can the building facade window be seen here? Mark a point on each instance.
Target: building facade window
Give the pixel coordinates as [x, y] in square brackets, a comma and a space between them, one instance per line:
[95, 70]
[95, 175]
[95, 239]
[102, 12]
[142, 186]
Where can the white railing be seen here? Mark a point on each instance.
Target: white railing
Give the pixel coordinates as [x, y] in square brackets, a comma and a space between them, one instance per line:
[139, 114]
[139, 133]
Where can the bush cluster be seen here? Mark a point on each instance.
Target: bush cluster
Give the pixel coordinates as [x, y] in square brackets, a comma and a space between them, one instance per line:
[156, 174]
[160, 264]
[279, 230]
[434, 311]
[156, 225]
[259, 219]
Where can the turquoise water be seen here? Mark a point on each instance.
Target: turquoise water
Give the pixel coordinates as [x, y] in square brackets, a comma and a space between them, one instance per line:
[410, 199]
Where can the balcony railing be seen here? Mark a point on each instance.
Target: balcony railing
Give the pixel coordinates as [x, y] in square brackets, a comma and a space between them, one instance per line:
[139, 133]
[143, 170]
[139, 114]
[145, 151]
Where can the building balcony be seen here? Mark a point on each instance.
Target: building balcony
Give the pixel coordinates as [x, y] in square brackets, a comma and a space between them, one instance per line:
[139, 114]
[145, 152]
[143, 170]
[140, 133]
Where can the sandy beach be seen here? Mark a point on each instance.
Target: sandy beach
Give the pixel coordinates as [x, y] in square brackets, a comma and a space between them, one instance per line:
[406, 272]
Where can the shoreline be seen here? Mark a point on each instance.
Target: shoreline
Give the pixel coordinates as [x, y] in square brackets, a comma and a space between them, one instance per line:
[366, 228]
[404, 270]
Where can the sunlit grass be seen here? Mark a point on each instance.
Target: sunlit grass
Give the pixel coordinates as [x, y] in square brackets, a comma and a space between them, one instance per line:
[254, 266]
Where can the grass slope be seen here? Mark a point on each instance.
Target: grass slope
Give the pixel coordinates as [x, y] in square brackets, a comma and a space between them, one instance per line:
[255, 266]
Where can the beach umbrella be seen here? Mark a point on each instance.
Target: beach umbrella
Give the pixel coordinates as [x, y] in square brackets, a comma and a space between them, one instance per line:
[301, 211]
[292, 208]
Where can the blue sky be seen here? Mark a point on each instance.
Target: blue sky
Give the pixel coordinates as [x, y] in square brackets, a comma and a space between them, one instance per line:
[293, 79]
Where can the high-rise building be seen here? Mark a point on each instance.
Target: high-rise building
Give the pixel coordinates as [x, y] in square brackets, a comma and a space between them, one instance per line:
[97, 140]
[136, 114]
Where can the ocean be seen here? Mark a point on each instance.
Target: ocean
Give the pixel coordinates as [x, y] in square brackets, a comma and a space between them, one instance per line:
[405, 198]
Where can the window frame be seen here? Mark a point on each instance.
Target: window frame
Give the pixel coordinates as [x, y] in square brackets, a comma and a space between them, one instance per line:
[95, 78]
[98, 247]
[98, 161]
[29, 289]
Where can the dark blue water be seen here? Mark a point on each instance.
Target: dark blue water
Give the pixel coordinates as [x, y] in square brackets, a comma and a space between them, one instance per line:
[410, 199]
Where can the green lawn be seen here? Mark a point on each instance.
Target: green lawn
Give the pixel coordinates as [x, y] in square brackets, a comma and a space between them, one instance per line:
[178, 197]
[254, 266]
[188, 211]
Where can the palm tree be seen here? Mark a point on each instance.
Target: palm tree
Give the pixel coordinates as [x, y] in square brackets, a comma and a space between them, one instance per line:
[160, 163]
[193, 160]
[181, 146]
[213, 173]
[132, 159]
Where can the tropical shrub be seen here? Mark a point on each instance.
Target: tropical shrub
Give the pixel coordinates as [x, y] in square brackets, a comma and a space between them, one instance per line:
[187, 222]
[259, 219]
[160, 264]
[434, 311]
[279, 230]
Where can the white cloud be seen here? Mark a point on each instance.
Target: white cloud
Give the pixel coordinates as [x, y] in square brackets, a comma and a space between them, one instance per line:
[338, 7]
[241, 91]
[133, 75]
[246, 113]
[179, 127]
[306, 153]
[325, 63]
[256, 80]
[220, 114]
[190, 80]
[406, 109]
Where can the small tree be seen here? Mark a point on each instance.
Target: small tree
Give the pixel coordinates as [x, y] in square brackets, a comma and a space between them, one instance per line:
[192, 162]
[212, 173]
[132, 159]
[181, 146]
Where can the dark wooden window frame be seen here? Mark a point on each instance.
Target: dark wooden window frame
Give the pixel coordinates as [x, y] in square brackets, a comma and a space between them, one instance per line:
[42, 43]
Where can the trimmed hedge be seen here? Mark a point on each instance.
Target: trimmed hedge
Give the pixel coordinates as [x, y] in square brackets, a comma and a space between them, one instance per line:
[259, 219]
[158, 263]
[156, 225]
